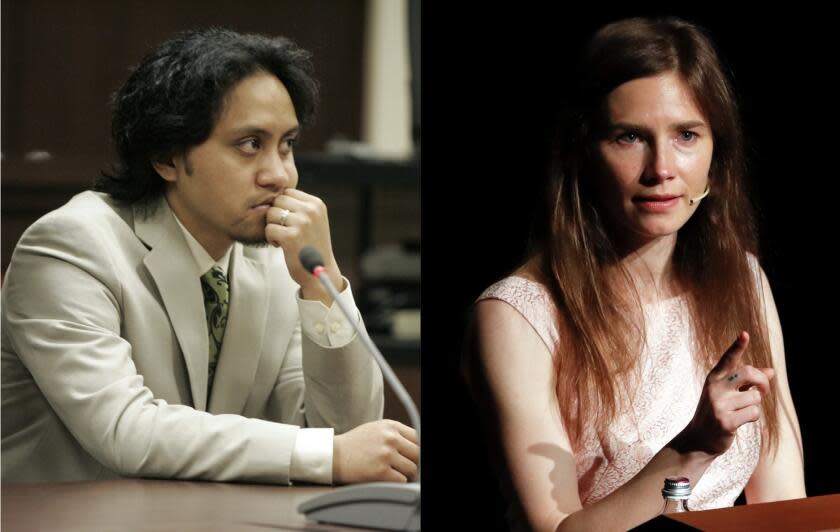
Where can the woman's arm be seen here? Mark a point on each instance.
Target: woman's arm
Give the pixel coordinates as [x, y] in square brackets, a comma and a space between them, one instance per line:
[781, 476]
[518, 369]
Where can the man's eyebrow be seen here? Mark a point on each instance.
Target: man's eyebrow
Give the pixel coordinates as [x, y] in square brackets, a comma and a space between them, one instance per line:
[260, 132]
[292, 132]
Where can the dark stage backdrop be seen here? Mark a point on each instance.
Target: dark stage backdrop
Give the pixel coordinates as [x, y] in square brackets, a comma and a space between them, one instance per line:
[492, 86]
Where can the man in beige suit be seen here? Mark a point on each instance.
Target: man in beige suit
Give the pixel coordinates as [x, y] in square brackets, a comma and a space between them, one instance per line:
[149, 330]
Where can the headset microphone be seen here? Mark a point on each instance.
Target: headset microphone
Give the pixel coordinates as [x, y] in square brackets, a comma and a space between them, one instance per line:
[692, 201]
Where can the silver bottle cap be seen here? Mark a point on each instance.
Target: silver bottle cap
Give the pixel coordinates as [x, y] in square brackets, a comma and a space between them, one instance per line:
[677, 488]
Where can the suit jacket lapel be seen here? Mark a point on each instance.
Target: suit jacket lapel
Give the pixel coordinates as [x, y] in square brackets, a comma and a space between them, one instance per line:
[242, 344]
[174, 270]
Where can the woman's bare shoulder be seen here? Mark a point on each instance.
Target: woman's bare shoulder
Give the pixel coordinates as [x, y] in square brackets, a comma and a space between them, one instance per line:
[523, 280]
[517, 298]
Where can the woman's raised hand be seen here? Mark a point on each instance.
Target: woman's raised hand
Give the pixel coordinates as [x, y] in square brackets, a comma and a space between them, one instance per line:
[731, 397]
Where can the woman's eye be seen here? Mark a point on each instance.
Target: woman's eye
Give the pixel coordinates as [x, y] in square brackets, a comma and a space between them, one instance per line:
[628, 138]
[688, 136]
[290, 143]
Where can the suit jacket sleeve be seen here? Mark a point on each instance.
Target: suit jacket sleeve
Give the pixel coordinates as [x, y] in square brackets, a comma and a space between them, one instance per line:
[62, 316]
[339, 387]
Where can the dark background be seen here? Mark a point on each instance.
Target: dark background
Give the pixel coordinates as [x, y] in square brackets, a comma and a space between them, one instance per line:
[492, 86]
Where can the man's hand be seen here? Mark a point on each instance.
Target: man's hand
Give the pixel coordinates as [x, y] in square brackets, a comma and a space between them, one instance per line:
[382, 450]
[305, 224]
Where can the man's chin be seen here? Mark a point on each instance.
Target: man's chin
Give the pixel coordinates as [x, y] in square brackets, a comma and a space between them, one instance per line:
[252, 241]
[254, 238]
[252, 235]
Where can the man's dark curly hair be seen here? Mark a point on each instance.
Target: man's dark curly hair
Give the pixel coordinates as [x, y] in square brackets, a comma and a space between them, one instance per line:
[174, 97]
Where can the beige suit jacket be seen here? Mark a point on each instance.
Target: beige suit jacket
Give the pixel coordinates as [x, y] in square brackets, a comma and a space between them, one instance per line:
[104, 357]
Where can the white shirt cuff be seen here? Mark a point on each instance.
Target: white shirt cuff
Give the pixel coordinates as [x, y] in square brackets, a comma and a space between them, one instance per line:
[312, 456]
[328, 327]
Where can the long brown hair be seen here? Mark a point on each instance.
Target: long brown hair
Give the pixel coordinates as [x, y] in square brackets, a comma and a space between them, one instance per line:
[601, 329]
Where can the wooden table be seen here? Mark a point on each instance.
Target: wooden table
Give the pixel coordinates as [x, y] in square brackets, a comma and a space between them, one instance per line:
[812, 513]
[156, 505]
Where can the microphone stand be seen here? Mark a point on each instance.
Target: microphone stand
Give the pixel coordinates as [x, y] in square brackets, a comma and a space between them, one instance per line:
[352, 505]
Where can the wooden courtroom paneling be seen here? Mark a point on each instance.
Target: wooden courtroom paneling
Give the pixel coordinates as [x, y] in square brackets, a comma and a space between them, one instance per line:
[63, 59]
[409, 375]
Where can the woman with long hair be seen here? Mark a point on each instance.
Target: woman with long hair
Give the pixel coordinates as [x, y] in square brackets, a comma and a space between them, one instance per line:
[640, 340]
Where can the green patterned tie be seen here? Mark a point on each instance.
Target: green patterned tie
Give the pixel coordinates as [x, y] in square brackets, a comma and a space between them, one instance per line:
[216, 290]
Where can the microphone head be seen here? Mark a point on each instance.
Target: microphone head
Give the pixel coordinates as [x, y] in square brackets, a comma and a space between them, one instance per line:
[310, 258]
[705, 193]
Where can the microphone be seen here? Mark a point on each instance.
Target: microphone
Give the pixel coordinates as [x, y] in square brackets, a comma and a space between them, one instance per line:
[314, 264]
[311, 260]
[705, 193]
[388, 505]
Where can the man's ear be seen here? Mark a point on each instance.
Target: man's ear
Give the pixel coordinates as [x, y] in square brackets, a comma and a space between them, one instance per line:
[166, 169]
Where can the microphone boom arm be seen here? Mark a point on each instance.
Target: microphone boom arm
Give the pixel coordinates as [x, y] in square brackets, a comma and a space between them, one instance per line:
[387, 372]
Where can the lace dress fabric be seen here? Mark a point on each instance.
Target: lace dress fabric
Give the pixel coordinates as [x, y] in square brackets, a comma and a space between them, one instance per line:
[655, 413]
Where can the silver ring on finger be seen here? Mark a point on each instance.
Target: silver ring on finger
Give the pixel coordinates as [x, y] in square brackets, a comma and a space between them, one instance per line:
[284, 215]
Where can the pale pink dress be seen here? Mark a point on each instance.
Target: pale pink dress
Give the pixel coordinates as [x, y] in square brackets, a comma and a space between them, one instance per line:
[660, 410]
